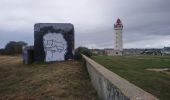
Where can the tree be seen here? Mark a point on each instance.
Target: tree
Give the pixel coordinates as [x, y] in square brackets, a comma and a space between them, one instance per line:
[2, 51]
[14, 47]
[82, 50]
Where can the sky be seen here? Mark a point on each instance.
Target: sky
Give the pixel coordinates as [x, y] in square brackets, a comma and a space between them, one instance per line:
[146, 22]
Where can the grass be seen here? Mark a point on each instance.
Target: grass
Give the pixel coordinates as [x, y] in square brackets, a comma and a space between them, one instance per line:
[55, 81]
[133, 68]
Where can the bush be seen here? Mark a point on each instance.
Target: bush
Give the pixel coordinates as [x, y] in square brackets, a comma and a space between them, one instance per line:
[14, 47]
[2, 51]
[82, 50]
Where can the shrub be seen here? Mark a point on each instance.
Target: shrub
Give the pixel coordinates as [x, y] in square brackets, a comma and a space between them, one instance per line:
[82, 50]
[14, 47]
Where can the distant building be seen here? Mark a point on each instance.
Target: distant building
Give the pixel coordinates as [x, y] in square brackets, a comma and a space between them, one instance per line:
[166, 50]
[97, 51]
[118, 42]
[118, 48]
[108, 51]
[152, 51]
[133, 51]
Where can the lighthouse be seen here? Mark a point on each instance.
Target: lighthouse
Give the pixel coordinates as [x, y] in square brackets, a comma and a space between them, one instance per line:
[118, 41]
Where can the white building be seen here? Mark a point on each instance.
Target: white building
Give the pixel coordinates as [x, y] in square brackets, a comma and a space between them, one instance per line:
[118, 42]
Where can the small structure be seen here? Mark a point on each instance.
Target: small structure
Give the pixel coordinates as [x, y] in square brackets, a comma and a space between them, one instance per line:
[97, 51]
[53, 42]
[133, 51]
[108, 51]
[118, 48]
[28, 54]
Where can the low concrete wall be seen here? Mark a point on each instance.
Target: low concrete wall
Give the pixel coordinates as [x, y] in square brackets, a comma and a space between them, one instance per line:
[110, 86]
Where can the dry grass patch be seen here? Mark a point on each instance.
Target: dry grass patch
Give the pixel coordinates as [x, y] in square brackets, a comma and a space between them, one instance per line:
[55, 81]
[163, 70]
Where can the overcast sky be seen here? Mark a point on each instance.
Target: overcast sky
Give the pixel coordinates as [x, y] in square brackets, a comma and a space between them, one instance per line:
[146, 22]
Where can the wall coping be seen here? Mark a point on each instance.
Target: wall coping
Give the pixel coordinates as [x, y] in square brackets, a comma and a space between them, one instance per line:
[128, 89]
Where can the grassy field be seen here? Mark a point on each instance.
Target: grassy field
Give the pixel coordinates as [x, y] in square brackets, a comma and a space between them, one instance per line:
[133, 68]
[56, 81]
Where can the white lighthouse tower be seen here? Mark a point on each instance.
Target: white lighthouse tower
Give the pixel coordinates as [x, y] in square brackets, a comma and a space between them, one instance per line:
[118, 42]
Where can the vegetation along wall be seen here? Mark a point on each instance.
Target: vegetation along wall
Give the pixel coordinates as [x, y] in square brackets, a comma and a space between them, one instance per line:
[110, 86]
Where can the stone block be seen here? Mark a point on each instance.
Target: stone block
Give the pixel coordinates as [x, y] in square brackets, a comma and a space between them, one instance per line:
[53, 42]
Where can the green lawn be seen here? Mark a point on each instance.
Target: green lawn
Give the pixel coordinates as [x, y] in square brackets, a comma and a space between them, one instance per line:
[133, 68]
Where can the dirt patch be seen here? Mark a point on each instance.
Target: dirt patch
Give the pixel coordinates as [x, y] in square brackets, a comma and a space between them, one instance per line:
[56, 81]
[164, 70]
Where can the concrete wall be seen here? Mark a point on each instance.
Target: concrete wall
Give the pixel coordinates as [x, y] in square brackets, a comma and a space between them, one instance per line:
[110, 86]
[53, 42]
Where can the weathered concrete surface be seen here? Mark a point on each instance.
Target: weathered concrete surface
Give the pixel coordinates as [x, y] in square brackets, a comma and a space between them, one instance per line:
[110, 86]
[53, 42]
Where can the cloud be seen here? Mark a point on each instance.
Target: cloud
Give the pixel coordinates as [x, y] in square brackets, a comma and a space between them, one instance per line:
[145, 22]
